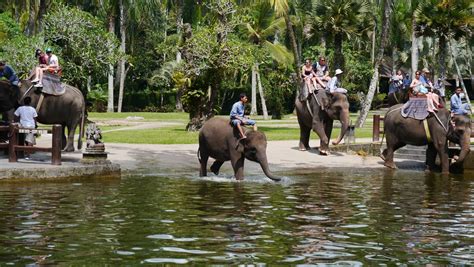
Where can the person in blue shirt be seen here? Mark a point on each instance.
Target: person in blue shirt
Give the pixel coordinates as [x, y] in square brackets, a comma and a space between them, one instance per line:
[237, 117]
[457, 107]
[8, 73]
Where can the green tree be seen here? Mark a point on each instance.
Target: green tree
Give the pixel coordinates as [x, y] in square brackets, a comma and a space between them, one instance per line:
[341, 20]
[84, 46]
[446, 20]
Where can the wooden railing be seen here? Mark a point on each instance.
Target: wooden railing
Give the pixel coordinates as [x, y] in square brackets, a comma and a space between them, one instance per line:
[13, 137]
[376, 128]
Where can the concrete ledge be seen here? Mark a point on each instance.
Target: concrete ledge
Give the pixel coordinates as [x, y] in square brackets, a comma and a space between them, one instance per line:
[369, 149]
[41, 172]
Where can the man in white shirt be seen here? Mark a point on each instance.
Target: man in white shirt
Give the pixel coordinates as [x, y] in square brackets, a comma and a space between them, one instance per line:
[334, 85]
[27, 116]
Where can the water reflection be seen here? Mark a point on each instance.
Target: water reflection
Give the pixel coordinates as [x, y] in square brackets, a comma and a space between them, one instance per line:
[347, 217]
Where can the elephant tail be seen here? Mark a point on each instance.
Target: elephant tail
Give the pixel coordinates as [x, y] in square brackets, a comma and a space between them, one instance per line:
[81, 128]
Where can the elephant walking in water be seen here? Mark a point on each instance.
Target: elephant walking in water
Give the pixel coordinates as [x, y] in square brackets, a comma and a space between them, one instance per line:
[67, 109]
[318, 113]
[219, 140]
[400, 131]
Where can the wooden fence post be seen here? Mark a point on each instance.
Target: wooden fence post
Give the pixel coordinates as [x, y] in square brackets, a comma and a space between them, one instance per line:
[56, 145]
[12, 142]
[376, 128]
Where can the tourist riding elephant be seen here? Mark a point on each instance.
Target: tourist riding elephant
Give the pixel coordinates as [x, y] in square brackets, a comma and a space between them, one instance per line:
[317, 113]
[219, 140]
[67, 109]
[400, 131]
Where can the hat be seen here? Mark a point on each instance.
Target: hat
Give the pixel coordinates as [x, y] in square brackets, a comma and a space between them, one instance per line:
[48, 50]
[425, 70]
[338, 71]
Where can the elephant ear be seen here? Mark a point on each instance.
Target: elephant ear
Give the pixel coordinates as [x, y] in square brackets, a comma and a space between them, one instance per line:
[240, 145]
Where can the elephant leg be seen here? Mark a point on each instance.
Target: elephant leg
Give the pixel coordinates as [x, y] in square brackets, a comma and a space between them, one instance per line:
[441, 147]
[215, 167]
[63, 137]
[431, 157]
[238, 166]
[71, 129]
[387, 154]
[304, 137]
[203, 161]
[319, 129]
[328, 128]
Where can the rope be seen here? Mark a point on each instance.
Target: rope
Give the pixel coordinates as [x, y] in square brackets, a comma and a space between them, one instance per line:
[40, 101]
[26, 93]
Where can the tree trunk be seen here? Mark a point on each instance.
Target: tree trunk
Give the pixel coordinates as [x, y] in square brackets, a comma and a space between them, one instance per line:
[110, 74]
[32, 12]
[372, 52]
[122, 61]
[262, 96]
[294, 45]
[253, 110]
[338, 56]
[442, 57]
[89, 83]
[375, 77]
[43, 8]
[414, 49]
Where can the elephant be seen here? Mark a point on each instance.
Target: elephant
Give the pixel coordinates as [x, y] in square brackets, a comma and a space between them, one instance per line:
[67, 109]
[400, 131]
[317, 113]
[219, 140]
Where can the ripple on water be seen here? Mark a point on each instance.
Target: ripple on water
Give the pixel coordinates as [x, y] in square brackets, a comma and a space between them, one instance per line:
[166, 260]
[124, 252]
[182, 250]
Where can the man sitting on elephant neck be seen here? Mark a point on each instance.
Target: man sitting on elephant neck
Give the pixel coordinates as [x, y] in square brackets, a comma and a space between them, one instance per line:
[457, 106]
[334, 85]
[8, 72]
[237, 117]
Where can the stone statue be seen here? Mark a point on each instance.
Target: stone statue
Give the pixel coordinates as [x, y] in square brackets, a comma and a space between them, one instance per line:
[93, 136]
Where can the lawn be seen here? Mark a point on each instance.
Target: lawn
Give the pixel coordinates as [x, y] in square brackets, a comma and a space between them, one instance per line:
[285, 129]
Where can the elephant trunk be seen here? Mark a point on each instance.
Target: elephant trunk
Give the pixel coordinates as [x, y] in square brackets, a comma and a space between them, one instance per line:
[344, 118]
[465, 147]
[264, 164]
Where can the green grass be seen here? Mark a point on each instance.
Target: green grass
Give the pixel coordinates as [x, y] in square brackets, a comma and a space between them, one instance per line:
[286, 129]
[175, 116]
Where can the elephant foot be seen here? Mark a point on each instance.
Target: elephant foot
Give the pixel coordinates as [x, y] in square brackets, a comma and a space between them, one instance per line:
[391, 165]
[215, 170]
[69, 149]
[335, 143]
[323, 152]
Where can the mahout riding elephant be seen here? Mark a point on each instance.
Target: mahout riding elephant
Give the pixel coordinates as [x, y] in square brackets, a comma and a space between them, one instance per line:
[400, 131]
[67, 109]
[219, 140]
[318, 113]
[397, 97]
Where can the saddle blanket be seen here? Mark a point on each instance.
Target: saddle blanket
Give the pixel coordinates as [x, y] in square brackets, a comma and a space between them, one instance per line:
[52, 84]
[415, 108]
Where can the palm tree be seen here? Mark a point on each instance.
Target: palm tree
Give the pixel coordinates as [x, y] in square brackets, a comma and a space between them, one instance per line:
[446, 20]
[342, 19]
[260, 30]
[282, 9]
[387, 8]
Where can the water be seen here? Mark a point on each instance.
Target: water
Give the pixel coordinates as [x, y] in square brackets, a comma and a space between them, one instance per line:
[346, 218]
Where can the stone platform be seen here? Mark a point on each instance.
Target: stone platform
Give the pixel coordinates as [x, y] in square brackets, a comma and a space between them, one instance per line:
[38, 167]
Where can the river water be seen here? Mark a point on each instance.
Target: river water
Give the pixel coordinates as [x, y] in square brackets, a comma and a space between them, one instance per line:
[347, 217]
